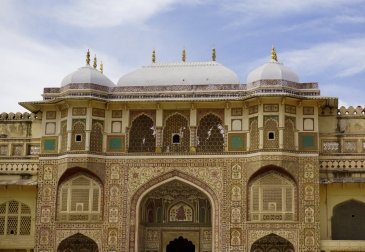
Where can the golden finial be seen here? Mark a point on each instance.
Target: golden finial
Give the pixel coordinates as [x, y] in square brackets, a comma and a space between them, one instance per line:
[101, 67]
[274, 56]
[95, 64]
[214, 55]
[154, 56]
[88, 57]
[183, 55]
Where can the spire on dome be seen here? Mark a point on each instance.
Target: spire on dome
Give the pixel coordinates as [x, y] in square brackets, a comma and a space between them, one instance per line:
[214, 55]
[183, 55]
[274, 56]
[101, 67]
[154, 56]
[95, 62]
[88, 57]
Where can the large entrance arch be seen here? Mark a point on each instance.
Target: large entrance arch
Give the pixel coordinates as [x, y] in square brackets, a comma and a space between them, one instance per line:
[272, 243]
[180, 245]
[170, 211]
[173, 205]
[78, 243]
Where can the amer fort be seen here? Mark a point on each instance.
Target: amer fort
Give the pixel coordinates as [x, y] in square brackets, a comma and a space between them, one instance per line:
[183, 157]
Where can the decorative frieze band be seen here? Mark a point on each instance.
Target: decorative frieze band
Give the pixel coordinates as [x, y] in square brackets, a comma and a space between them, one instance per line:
[16, 168]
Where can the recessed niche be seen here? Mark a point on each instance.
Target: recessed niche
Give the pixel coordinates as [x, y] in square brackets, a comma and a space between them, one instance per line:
[236, 124]
[116, 127]
[176, 139]
[78, 138]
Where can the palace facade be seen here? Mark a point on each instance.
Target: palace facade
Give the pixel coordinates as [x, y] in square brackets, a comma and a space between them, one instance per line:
[183, 157]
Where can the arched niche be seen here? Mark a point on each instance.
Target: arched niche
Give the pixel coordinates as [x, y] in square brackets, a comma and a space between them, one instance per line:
[272, 195]
[348, 221]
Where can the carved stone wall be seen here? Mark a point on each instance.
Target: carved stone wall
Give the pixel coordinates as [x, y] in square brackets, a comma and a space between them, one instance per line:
[224, 181]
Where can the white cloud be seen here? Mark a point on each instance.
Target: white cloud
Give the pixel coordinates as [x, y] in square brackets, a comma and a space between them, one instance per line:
[30, 65]
[345, 58]
[350, 19]
[96, 13]
[256, 10]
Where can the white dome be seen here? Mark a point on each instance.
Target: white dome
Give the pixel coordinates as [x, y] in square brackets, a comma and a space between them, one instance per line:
[184, 73]
[272, 71]
[87, 75]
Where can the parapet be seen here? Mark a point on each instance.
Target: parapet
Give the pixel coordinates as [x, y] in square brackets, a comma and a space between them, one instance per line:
[351, 111]
[18, 116]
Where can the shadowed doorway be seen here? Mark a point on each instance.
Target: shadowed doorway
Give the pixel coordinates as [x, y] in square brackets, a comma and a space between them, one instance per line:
[180, 245]
[272, 243]
[78, 243]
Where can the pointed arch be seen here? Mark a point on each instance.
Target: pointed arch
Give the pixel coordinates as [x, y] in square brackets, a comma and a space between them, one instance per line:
[272, 195]
[348, 221]
[176, 133]
[78, 242]
[272, 243]
[142, 135]
[289, 133]
[180, 244]
[96, 136]
[78, 134]
[271, 132]
[254, 133]
[210, 133]
[79, 196]
[138, 196]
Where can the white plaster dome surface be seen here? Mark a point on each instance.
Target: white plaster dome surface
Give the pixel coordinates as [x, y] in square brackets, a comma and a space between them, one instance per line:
[184, 73]
[87, 75]
[272, 71]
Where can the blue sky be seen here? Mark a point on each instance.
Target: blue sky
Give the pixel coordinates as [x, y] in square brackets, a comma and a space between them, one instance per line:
[42, 41]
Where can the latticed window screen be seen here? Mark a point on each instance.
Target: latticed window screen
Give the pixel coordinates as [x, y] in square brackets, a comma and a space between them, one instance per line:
[64, 136]
[210, 134]
[80, 199]
[96, 136]
[78, 134]
[271, 128]
[254, 133]
[15, 218]
[272, 198]
[289, 132]
[176, 126]
[142, 135]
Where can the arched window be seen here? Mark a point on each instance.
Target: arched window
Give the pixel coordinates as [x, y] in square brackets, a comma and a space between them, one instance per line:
[271, 132]
[80, 199]
[15, 218]
[176, 134]
[142, 135]
[96, 136]
[210, 134]
[78, 134]
[272, 198]
[254, 133]
[289, 132]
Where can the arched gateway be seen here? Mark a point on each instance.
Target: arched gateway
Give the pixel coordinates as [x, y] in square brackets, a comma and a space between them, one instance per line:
[78, 243]
[180, 245]
[272, 243]
[175, 215]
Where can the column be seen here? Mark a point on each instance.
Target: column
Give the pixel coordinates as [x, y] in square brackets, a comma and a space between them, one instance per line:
[193, 129]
